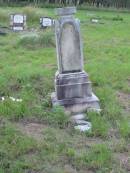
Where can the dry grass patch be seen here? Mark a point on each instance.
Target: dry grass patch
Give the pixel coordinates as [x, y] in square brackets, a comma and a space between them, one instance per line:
[124, 99]
[33, 130]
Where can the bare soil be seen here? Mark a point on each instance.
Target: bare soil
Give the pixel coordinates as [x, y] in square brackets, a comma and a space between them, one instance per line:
[32, 129]
[124, 160]
[124, 99]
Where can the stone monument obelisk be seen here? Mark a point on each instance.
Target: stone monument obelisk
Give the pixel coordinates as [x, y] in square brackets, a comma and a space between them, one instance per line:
[72, 87]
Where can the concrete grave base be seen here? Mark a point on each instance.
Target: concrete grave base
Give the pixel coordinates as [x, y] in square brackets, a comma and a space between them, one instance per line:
[91, 103]
[73, 91]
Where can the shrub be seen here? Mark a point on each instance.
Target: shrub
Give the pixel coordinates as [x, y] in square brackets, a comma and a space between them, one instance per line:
[31, 13]
[3, 16]
[33, 41]
[117, 18]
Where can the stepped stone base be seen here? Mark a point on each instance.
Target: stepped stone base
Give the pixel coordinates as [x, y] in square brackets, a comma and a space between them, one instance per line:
[77, 105]
[73, 91]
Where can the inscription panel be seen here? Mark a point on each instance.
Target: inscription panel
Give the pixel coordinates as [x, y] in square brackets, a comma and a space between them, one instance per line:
[70, 49]
[18, 18]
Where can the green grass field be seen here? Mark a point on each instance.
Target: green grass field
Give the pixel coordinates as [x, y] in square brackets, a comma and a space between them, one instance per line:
[34, 138]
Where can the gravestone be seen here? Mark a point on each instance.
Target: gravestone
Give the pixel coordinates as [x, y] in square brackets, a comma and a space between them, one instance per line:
[17, 22]
[46, 22]
[72, 86]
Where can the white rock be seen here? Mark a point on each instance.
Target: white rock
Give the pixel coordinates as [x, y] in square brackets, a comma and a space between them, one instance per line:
[81, 122]
[2, 98]
[12, 98]
[19, 100]
[95, 20]
[84, 128]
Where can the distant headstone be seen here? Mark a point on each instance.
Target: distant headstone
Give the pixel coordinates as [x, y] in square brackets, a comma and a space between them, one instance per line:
[18, 22]
[72, 86]
[94, 20]
[46, 22]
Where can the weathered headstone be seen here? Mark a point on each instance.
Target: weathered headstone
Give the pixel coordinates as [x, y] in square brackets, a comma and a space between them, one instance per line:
[72, 86]
[46, 22]
[17, 22]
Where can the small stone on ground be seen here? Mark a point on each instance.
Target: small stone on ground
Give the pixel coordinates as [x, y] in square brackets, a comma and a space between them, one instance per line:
[84, 128]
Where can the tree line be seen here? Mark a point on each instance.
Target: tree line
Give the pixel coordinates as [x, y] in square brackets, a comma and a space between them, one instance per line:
[95, 3]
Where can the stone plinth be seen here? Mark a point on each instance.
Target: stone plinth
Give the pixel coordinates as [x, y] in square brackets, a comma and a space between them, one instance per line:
[74, 92]
[72, 86]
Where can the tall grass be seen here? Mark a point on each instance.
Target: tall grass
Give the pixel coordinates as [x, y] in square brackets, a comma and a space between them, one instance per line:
[33, 14]
[33, 41]
[4, 17]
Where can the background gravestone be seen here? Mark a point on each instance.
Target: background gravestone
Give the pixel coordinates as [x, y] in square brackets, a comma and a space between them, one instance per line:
[18, 22]
[72, 86]
[46, 22]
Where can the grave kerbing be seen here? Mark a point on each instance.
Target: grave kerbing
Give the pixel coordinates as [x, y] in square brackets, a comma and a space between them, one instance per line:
[73, 89]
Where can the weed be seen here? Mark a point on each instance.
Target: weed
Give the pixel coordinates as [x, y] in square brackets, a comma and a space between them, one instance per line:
[97, 157]
[3, 16]
[121, 146]
[99, 125]
[118, 18]
[124, 127]
[31, 13]
[58, 117]
[34, 41]
[13, 145]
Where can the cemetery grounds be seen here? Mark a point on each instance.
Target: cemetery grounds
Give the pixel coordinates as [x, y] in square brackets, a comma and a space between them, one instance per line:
[34, 138]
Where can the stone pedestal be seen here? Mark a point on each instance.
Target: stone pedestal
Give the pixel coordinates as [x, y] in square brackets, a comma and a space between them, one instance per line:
[74, 92]
[72, 86]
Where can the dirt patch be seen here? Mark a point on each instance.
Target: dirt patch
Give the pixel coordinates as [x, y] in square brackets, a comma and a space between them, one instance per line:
[113, 133]
[70, 169]
[124, 99]
[124, 160]
[32, 129]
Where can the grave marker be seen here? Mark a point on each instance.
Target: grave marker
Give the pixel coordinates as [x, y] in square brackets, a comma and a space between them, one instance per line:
[46, 22]
[18, 22]
[72, 86]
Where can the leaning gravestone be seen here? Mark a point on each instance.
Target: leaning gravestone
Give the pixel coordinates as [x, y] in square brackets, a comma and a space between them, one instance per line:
[72, 86]
[18, 22]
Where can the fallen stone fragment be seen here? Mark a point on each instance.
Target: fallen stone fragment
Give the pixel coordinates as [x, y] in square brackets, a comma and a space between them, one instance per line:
[81, 122]
[84, 128]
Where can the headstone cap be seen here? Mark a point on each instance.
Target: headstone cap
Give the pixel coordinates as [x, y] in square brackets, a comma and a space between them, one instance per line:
[65, 11]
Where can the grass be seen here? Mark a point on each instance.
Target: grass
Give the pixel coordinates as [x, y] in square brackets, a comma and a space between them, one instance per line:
[34, 41]
[98, 157]
[28, 65]
[100, 125]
